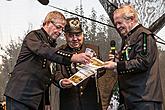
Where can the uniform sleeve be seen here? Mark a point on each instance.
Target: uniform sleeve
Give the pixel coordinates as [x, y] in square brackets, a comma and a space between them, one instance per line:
[44, 50]
[57, 75]
[142, 56]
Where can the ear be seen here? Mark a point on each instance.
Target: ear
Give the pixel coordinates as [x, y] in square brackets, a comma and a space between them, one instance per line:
[47, 23]
[65, 36]
[132, 17]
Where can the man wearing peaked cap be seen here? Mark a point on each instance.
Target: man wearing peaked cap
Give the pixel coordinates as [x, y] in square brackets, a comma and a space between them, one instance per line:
[73, 25]
[83, 96]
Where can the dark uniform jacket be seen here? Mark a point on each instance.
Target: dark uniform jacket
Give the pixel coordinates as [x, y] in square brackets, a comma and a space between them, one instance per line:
[80, 97]
[138, 68]
[31, 75]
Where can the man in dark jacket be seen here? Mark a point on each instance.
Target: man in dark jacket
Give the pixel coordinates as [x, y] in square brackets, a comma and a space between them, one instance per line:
[138, 65]
[31, 75]
[84, 96]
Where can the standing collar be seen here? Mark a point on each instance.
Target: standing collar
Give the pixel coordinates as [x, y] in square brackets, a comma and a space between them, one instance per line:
[74, 49]
[134, 29]
[44, 31]
[51, 41]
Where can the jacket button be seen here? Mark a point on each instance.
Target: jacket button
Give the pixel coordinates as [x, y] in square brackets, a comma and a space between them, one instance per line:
[44, 66]
[47, 85]
[81, 93]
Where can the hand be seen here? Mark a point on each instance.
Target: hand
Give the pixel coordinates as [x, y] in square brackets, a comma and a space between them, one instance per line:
[66, 83]
[81, 58]
[110, 65]
[111, 57]
[47, 107]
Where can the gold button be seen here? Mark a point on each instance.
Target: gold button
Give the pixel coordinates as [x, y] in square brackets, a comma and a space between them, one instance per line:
[47, 85]
[81, 93]
[81, 87]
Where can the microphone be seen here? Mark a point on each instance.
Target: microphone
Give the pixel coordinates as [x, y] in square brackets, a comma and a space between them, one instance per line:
[44, 2]
[113, 48]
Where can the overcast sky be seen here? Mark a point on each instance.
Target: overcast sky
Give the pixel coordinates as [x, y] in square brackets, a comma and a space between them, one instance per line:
[16, 15]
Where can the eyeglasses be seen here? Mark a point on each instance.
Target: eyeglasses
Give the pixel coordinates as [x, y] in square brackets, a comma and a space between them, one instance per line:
[59, 27]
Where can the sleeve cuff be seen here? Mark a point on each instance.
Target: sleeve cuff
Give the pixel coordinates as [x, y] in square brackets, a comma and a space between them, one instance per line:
[120, 66]
[60, 83]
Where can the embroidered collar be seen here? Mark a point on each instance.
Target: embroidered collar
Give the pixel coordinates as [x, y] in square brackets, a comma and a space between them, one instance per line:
[134, 29]
[73, 49]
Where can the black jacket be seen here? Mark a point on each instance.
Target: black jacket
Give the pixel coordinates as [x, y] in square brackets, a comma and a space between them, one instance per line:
[31, 75]
[80, 97]
[138, 68]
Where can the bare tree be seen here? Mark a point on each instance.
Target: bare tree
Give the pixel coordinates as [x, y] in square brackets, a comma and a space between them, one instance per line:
[8, 61]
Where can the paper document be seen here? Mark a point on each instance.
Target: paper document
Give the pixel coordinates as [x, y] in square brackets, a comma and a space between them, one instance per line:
[85, 71]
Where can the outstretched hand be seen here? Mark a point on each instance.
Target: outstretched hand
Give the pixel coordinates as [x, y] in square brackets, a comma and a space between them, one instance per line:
[81, 58]
[110, 65]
